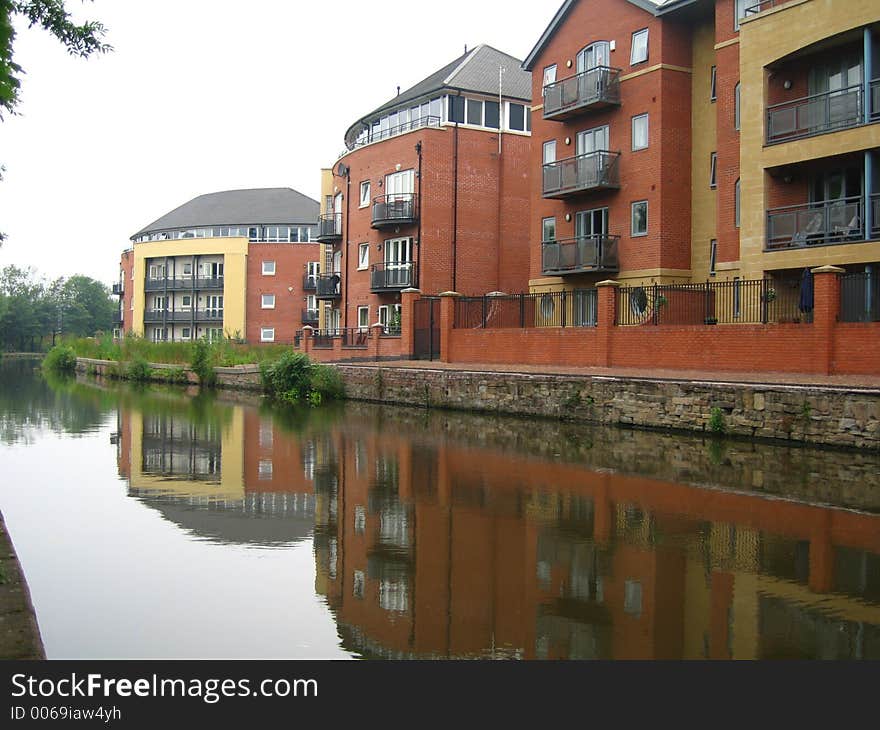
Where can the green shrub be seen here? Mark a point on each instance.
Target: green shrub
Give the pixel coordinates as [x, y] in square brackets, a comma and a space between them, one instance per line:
[201, 363]
[60, 359]
[289, 378]
[327, 381]
[716, 420]
[176, 375]
[139, 370]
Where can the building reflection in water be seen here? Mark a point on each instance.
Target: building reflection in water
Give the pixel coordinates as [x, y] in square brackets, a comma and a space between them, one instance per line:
[432, 539]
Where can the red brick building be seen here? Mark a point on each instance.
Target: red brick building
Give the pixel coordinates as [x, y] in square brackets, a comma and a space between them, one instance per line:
[433, 193]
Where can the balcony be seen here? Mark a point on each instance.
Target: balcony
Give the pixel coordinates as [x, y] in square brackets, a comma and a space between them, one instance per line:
[592, 171]
[185, 316]
[310, 282]
[824, 223]
[580, 255]
[596, 88]
[187, 283]
[397, 209]
[821, 113]
[392, 276]
[118, 290]
[329, 286]
[310, 317]
[330, 228]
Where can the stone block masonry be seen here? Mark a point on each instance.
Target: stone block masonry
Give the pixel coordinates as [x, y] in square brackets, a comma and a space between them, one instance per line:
[807, 414]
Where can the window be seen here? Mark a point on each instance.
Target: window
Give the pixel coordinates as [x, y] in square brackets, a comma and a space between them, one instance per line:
[593, 56]
[640, 218]
[456, 109]
[548, 229]
[518, 118]
[736, 204]
[360, 520]
[713, 170]
[365, 194]
[185, 333]
[549, 151]
[187, 269]
[186, 302]
[640, 132]
[267, 334]
[268, 268]
[265, 469]
[475, 112]
[493, 114]
[157, 271]
[712, 84]
[116, 333]
[736, 108]
[363, 256]
[639, 51]
[363, 317]
[713, 255]
[740, 13]
[268, 301]
[550, 75]
[400, 183]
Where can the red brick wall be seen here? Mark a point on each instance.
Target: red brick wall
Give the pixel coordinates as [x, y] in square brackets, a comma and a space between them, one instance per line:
[290, 266]
[659, 174]
[856, 348]
[125, 264]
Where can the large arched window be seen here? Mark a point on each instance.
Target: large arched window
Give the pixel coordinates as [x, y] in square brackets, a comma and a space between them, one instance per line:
[596, 54]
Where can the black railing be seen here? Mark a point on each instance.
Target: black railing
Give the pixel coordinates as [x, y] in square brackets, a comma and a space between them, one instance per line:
[310, 316]
[310, 282]
[860, 297]
[355, 337]
[328, 286]
[577, 308]
[392, 275]
[392, 330]
[591, 171]
[329, 227]
[815, 224]
[576, 255]
[323, 339]
[118, 290]
[875, 100]
[395, 209]
[186, 283]
[815, 114]
[761, 6]
[595, 87]
[381, 134]
[151, 316]
[875, 215]
[759, 301]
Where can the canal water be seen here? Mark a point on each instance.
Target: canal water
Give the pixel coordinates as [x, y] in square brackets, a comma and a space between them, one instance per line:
[153, 523]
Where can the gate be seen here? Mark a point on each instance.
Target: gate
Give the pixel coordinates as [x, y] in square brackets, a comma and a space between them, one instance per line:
[426, 328]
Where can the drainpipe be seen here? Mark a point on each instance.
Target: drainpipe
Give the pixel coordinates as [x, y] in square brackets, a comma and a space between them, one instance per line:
[417, 283]
[866, 96]
[455, 203]
[345, 252]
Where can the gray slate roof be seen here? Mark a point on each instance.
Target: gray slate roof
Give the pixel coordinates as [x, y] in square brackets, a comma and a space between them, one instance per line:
[475, 71]
[258, 206]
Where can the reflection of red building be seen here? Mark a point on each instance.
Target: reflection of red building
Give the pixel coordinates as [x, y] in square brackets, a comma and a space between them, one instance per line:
[448, 551]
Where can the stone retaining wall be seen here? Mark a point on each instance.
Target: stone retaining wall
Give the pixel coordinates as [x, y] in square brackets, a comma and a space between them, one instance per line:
[808, 414]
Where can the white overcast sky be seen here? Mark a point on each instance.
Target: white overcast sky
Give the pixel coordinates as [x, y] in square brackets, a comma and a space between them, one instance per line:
[207, 95]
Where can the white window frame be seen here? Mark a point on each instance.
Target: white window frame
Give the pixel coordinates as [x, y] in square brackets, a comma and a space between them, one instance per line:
[267, 334]
[647, 143]
[186, 333]
[363, 317]
[737, 204]
[632, 219]
[713, 256]
[267, 301]
[183, 304]
[713, 170]
[549, 151]
[550, 75]
[544, 222]
[269, 268]
[739, 11]
[363, 256]
[632, 53]
[365, 194]
[713, 84]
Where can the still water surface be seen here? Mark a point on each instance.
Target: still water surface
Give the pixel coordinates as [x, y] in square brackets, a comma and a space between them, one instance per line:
[152, 523]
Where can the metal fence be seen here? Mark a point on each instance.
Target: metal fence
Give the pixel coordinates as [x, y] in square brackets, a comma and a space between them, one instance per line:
[860, 297]
[576, 308]
[759, 301]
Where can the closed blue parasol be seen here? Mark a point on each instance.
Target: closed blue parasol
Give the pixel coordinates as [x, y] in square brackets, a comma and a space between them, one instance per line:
[806, 301]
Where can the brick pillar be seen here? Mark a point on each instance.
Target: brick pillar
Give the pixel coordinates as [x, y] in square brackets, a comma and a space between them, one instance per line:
[408, 298]
[606, 314]
[447, 317]
[307, 339]
[376, 332]
[826, 308]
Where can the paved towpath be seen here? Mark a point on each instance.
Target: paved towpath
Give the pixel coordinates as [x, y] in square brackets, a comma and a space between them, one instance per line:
[19, 633]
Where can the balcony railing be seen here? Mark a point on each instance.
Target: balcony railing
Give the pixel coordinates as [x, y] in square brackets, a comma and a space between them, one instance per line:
[760, 7]
[816, 224]
[592, 171]
[187, 283]
[875, 100]
[860, 297]
[118, 290]
[578, 308]
[310, 282]
[310, 316]
[152, 316]
[392, 275]
[378, 135]
[329, 286]
[592, 89]
[816, 114]
[875, 216]
[329, 227]
[395, 209]
[578, 255]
